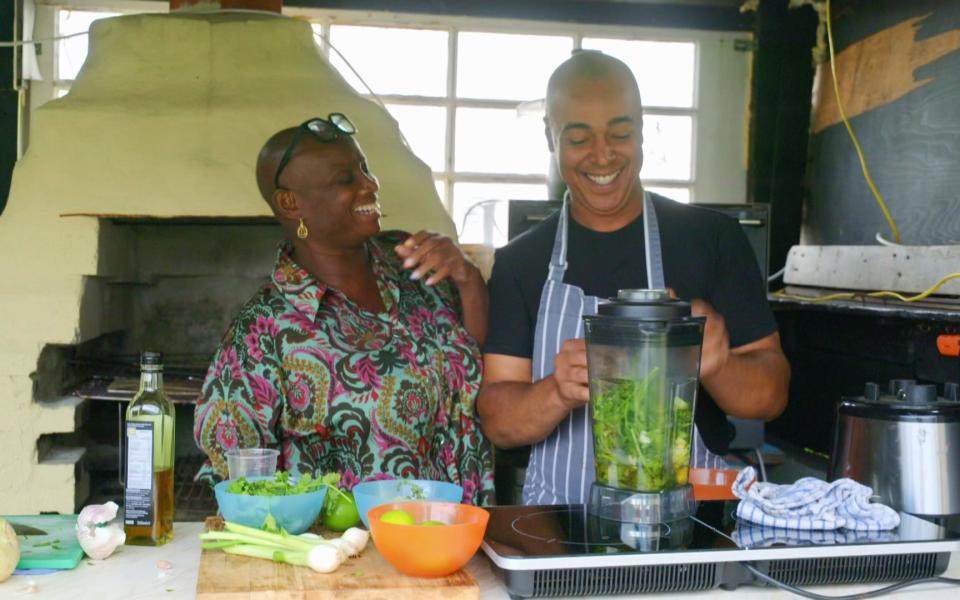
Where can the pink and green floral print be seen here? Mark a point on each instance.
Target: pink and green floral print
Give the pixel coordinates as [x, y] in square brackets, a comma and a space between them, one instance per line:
[339, 388]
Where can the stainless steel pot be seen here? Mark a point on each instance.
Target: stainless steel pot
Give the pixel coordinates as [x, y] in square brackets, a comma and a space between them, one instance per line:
[904, 444]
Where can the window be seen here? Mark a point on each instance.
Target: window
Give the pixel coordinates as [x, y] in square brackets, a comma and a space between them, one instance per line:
[61, 66]
[71, 52]
[472, 107]
[467, 94]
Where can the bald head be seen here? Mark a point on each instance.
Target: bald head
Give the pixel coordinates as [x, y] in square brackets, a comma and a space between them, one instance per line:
[269, 158]
[594, 128]
[588, 68]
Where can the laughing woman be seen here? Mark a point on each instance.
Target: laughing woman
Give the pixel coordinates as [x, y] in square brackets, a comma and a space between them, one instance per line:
[361, 354]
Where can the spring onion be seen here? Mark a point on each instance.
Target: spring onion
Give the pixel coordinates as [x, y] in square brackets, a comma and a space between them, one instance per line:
[307, 550]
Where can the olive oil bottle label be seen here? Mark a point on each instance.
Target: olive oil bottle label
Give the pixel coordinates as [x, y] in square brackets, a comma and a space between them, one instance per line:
[138, 493]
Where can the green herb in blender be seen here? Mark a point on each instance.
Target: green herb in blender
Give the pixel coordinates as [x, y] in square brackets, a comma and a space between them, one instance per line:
[631, 442]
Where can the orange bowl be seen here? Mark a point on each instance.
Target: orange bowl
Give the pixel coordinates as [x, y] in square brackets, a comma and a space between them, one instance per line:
[429, 551]
[712, 484]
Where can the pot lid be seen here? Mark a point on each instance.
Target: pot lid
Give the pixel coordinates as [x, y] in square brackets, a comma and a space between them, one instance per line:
[905, 398]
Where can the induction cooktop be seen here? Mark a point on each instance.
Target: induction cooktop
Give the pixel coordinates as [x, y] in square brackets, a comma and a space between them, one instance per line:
[564, 550]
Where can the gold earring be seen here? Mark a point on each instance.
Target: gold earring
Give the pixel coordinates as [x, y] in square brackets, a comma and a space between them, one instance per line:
[302, 232]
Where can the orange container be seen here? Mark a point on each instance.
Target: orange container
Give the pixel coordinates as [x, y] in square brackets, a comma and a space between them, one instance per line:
[424, 550]
[712, 484]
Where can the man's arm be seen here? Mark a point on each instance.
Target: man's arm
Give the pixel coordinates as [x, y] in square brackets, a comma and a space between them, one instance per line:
[750, 381]
[515, 412]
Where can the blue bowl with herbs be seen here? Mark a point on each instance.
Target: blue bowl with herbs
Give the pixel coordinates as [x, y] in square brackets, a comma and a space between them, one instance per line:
[281, 501]
[371, 494]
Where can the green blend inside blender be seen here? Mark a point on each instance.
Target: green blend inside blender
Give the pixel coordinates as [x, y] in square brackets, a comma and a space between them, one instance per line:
[643, 358]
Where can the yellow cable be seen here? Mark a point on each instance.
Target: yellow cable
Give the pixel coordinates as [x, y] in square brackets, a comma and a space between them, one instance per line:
[881, 294]
[853, 136]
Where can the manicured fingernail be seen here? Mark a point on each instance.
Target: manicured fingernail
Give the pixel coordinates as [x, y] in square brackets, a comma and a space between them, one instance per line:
[408, 263]
[415, 275]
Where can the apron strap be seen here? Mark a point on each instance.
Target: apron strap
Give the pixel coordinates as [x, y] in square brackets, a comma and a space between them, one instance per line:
[651, 234]
[558, 256]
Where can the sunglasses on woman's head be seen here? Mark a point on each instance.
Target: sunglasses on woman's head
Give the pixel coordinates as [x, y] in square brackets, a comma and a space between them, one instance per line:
[335, 126]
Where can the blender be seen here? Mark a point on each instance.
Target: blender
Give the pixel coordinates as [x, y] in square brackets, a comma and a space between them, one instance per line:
[643, 362]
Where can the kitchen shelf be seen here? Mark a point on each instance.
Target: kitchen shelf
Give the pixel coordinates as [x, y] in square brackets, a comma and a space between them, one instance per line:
[941, 308]
[179, 390]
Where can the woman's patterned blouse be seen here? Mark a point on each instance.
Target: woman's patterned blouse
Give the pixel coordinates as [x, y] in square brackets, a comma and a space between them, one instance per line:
[339, 388]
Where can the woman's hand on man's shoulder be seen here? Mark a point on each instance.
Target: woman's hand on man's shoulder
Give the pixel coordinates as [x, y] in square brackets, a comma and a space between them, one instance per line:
[437, 257]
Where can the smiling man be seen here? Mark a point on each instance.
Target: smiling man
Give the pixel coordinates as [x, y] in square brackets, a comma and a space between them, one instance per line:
[611, 235]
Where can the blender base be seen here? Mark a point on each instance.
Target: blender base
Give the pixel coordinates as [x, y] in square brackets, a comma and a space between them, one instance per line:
[648, 508]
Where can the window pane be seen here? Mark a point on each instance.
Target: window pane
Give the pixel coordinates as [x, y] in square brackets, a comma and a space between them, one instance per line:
[72, 52]
[392, 60]
[678, 194]
[665, 71]
[494, 140]
[667, 147]
[441, 186]
[480, 209]
[508, 66]
[425, 128]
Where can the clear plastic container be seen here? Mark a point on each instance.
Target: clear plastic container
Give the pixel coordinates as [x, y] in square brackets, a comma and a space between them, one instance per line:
[643, 357]
[252, 462]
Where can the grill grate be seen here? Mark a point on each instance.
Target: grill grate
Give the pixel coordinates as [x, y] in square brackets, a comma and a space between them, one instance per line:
[854, 569]
[624, 580]
[193, 500]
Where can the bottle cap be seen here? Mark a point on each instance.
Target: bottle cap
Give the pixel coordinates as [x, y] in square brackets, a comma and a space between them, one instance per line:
[148, 358]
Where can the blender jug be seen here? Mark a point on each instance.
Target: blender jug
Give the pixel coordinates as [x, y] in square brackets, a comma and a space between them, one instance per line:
[643, 360]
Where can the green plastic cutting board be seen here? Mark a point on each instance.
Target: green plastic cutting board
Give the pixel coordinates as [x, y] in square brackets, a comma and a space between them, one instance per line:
[39, 551]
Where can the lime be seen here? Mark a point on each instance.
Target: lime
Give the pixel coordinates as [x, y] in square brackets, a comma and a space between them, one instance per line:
[398, 517]
[433, 523]
[339, 511]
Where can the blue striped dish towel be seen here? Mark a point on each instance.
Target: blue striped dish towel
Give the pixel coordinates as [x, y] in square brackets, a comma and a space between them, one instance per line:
[746, 535]
[811, 503]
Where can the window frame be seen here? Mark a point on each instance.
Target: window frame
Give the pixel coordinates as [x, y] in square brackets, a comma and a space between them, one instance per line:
[716, 177]
[719, 109]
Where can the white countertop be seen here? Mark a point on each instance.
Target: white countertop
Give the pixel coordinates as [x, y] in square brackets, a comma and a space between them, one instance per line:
[132, 574]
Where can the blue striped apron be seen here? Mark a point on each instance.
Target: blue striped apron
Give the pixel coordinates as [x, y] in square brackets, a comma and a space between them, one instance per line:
[561, 466]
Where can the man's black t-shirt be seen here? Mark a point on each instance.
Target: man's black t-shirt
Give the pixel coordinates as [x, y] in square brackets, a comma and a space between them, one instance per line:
[705, 256]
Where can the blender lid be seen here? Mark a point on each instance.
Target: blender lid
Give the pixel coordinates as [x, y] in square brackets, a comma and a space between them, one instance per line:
[644, 304]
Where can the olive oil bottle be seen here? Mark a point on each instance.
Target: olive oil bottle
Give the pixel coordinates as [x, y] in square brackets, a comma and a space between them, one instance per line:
[149, 449]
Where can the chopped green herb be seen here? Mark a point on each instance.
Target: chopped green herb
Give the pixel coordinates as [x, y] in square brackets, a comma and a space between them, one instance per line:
[632, 438]
[409, 490]
[270, 524]
[283, 485]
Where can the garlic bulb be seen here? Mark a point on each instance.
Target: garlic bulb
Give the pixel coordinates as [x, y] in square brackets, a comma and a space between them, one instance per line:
[97, 535]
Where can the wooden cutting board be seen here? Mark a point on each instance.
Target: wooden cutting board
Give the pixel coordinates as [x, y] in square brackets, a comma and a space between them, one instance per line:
[366, 577]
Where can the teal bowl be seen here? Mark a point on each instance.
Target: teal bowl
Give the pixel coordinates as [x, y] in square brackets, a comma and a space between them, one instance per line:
[294, 513]
[371, 494]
